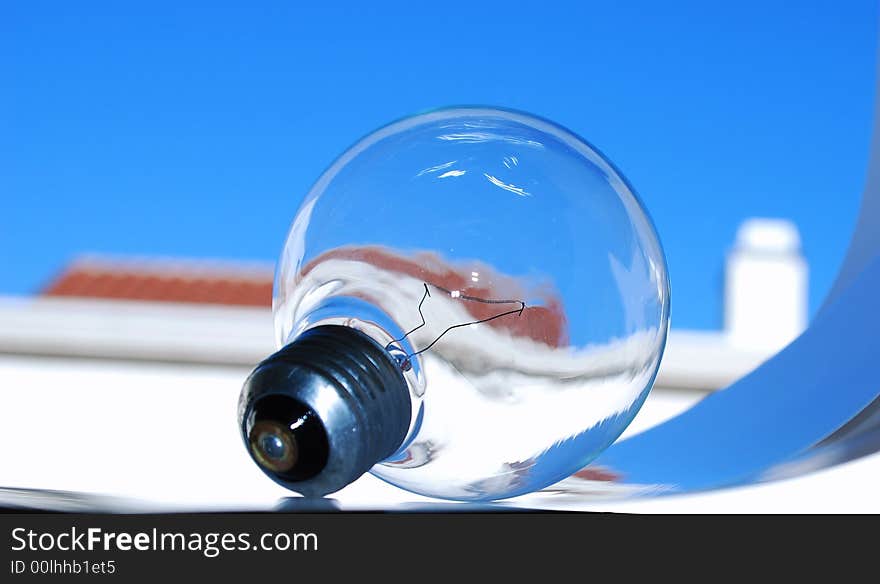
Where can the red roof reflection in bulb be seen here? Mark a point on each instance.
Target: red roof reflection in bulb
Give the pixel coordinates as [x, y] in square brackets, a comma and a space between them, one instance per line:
[545, 323]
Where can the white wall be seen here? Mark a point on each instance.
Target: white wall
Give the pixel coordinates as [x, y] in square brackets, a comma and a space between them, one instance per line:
[166, 433]
[765, 293]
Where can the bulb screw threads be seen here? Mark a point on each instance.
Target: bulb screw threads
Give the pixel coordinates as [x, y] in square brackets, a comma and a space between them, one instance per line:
[324, 409]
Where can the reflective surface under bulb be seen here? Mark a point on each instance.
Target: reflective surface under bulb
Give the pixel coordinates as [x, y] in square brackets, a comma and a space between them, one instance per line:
[510, 272]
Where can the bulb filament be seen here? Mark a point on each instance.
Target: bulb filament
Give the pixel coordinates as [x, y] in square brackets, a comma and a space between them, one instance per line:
[405, 361]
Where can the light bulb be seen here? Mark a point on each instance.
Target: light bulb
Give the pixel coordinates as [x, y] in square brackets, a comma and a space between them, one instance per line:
[471, 304]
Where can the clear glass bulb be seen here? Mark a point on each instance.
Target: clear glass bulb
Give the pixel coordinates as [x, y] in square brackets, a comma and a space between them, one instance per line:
[439, 221]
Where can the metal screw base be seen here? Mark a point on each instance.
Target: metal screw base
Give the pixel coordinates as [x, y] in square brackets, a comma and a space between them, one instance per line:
[336, 397]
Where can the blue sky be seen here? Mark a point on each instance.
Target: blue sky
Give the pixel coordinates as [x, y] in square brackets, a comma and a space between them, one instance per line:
[163, 129]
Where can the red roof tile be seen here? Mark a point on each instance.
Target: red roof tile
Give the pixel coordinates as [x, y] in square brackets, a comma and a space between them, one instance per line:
[231, 284]
[165, 281]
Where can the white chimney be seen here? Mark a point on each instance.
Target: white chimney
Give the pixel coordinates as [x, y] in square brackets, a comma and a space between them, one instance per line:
[765, 292]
